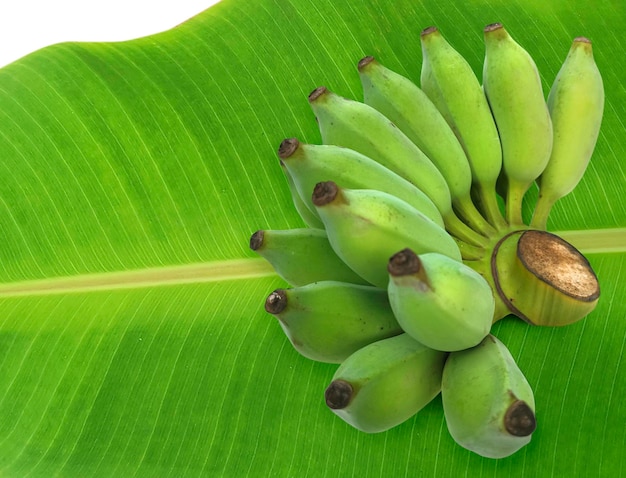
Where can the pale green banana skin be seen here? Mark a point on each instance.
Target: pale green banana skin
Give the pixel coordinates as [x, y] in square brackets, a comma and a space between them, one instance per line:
[410, 109]
[354, 125]
[576, 105]
[302, 256]
[309, 217]
[449, 81]
[309, 164]
[478, 386]
[443, 304]
[390, 380]
[365, 227]
[513, 88]
[328, 321]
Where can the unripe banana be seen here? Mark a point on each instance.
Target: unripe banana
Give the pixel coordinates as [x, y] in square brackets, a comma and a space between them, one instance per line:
[328, 321]
[513, 88]
[360, 127]
[410, 109]
[488, 403]
[576, 104]
[365, 227]
[309, 217]
[302, 256]
[438, 301]
[450, 83]
[385, 383]
[309, 164]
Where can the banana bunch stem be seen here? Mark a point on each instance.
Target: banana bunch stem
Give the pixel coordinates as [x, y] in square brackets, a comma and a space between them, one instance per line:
[467, 211]
[538, 277]
[541, 213]
[487, 203]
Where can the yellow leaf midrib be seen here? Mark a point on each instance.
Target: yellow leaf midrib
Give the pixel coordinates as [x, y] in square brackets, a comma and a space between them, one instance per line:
[213, 271]
[587, 241]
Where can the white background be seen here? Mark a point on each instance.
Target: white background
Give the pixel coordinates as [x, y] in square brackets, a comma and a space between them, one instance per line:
[28, 25]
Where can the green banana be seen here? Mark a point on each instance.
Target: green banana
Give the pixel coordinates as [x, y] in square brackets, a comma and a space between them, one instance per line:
[309, 164]
[410, 109]
[360, 127]
[576, 104]
[385, 383]
[327, 321]
[448, 80]
[365, 227]
[513, 88]
[438, 301]
[309, 217]
[487, 402]
[302, 256]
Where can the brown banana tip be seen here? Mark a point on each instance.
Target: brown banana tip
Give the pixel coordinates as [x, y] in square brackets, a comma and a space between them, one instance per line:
[363, 62]
[519, 419]
[404, 263]
[317, 92]
[276, 302]
[288, 147]
[428, 31]
[256, 240]
[582, 40]
[324, 193]
[493, 27]
[338, 394]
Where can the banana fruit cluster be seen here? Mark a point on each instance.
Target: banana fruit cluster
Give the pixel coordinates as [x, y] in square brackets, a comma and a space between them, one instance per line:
[416, 241]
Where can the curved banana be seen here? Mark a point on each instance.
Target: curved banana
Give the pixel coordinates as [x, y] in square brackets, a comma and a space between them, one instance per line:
[488, 403]
[365, 227]
[385, 383]
[360, 127]
[309, 217]
[309, 164]
[513, 88]
[438, 301]
[302, 256]
[328, 321]
[452, 86]
[410, 109]
[576, 104]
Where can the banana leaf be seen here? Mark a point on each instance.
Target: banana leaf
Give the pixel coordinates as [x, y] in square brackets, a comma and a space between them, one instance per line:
[133, 340]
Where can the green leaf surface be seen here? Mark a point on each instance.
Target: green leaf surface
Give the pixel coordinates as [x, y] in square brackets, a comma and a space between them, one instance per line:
[133, 341]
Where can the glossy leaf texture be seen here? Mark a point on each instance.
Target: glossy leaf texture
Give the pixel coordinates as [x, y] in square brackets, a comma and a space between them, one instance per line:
[133, 340]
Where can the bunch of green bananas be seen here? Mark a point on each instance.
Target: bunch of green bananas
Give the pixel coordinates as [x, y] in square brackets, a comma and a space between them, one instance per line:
[417, 243]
